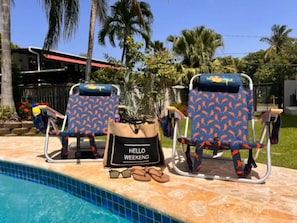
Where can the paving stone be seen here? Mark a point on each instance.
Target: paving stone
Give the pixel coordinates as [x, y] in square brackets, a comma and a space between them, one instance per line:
[12, 124]
[4, 131]
[19, 131]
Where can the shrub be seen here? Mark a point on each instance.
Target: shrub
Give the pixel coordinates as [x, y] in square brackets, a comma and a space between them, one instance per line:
[5, 113]
[182, 107]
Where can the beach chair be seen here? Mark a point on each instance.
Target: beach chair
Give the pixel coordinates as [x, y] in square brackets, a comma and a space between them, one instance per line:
[89, 108]
[220, 108]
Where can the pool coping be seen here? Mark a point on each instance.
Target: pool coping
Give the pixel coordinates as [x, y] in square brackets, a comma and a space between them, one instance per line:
[189, 199]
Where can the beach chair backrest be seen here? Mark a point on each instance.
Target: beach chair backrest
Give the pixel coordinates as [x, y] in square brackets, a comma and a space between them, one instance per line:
[220, 107]
[88, 111]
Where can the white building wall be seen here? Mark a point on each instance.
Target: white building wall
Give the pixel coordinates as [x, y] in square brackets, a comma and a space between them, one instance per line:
[290, 89]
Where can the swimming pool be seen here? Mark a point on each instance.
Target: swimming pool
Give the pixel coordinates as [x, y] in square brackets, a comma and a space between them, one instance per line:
[25, 201]
[117, 204]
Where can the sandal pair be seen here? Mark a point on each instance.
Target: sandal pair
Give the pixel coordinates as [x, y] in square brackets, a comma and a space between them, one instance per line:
[146, 173]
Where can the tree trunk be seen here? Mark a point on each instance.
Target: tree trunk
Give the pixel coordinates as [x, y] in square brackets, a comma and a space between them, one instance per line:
[91, 40]
[6, 85]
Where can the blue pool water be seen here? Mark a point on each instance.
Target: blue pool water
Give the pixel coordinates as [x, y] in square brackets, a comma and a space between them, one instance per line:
[24, 201]
[54, 205]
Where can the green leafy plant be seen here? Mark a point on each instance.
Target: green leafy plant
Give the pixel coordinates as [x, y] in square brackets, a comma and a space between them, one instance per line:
[183, 107]
[5, 113]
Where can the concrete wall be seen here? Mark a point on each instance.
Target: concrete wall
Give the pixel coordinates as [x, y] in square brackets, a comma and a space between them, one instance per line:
[290, 100]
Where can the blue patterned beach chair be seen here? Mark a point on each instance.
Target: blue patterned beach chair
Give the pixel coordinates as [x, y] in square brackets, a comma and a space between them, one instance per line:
[220, 107]
[89, 108]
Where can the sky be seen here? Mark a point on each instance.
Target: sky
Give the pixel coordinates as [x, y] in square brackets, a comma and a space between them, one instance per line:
[240, 22]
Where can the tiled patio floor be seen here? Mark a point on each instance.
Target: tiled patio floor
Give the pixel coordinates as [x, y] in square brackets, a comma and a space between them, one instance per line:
[188, 199]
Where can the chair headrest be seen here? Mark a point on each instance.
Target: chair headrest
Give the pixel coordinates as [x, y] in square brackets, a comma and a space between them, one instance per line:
[95, 89]
[220, 82]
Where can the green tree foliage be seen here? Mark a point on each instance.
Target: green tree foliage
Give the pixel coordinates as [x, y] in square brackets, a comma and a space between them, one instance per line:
[62, 20]
[253, 61]
[278, 62]
[145, 81]
[126, 77]
[195, 50]
[196, 47]
[125, 22]
[159, 75]
[277, 40]
[227, 64]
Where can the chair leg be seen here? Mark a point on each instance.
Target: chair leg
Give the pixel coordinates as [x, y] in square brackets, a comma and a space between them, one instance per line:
[64, 150]
[237, 162]
[93, 146]
[78, 152]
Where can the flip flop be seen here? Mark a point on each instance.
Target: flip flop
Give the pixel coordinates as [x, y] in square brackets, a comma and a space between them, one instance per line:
[140, 174]
[158, 175]
[137, 168]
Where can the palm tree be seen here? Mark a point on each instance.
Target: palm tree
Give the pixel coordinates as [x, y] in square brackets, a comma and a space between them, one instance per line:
[158, 46]
[126, 20]
[62, 13]
[98, 10]
[196, 47]
[277, 40]
[62, 20]
[65, 14]
[58, 12]
[6, 85]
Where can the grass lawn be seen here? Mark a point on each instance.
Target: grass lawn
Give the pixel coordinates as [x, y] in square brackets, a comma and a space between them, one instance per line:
[284, 153]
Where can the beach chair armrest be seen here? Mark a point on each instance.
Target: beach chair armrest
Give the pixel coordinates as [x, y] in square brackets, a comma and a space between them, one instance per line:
[174, 112]
[270, 115]
[50, 112]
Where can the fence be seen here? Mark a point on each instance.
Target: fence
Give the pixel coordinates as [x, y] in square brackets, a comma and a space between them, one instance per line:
[56, 96]
[267, 95]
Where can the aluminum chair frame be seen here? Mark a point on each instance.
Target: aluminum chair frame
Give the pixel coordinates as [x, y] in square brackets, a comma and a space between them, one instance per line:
[267, 118]
[51, 124]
